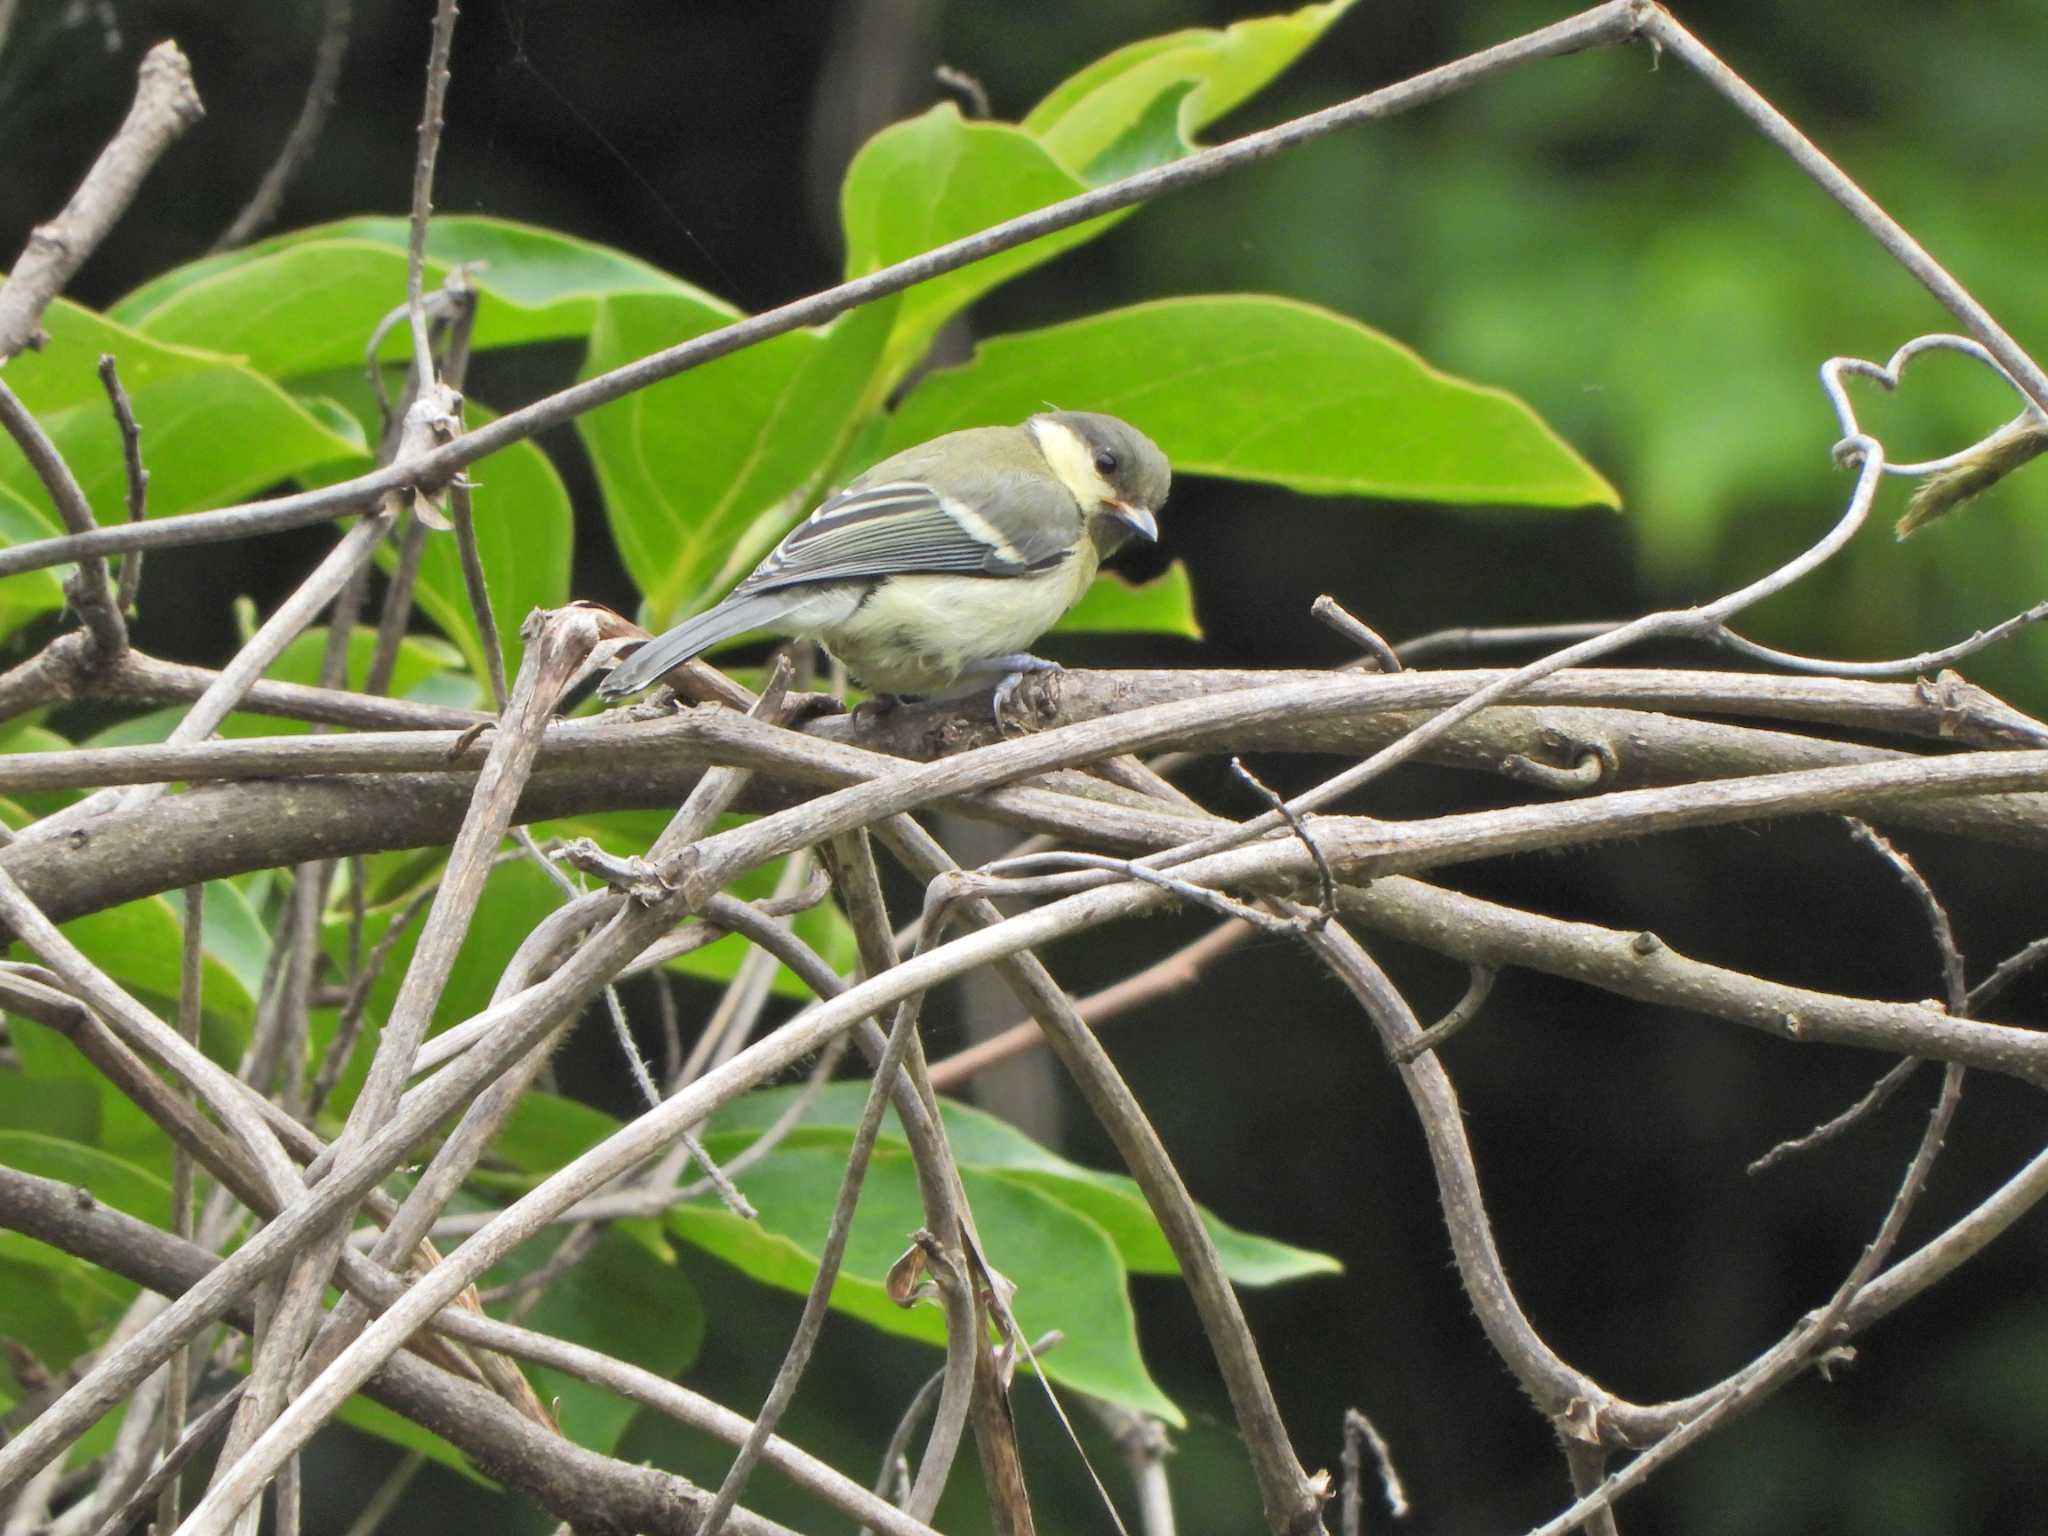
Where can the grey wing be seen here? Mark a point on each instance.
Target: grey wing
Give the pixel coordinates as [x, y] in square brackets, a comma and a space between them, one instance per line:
[906, 526]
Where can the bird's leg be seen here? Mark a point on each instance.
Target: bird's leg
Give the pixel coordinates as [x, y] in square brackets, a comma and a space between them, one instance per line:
[877, 705]
[1009, 671]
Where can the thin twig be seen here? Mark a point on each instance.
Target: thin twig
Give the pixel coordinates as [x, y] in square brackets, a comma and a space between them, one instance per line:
[191, 978]
[463, 515]
[298, 145]
[1953, 980]
[88, 589]
[1923, 663]
[1326, 885]
[1614, 22]
[137, 475]
[431, 122]
[833, 1250]
[1359, 1431]
[1879, 1094]
[385, 1499]
[1478, 987]
[2004, 974]
[1462, 639]
[1333, 613]
[1162, 977]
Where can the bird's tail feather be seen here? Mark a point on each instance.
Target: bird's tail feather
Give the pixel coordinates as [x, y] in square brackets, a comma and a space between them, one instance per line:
[734, 616]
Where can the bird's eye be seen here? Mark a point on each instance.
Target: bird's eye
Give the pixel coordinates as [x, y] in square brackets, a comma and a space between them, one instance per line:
[1105, 462]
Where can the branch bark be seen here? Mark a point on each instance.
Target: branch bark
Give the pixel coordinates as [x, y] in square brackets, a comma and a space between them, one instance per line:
[166, 104]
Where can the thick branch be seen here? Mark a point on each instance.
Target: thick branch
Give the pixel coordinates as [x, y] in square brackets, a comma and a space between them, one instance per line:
[1643, 967]
[230, 829]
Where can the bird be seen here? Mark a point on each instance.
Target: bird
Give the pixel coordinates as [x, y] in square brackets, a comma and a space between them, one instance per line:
[933, 572]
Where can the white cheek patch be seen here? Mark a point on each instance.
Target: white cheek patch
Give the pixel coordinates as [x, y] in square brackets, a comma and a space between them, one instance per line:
[1073, 461]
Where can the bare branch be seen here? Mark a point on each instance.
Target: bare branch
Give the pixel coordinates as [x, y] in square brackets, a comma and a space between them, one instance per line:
[262, 206]
[133, 467]
[557, 1474]
[1603, 25]
[1179, 969]
[431, 122]
[1661, 28]
[1359, 1431]
[1358, 632]
[88, 589]
[165, 105]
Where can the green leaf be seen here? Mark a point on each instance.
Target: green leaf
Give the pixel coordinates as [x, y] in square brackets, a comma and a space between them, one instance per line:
[373, 1418]
[1164, 605]
[213, 429]
[308, 301]
[1068, 1275]
[525, 536]
[921, 183]
[52, 1305]
[231, 933]
[24, 597]
[546, 1131]
[51, 1065]
[622, 1300]
[138, 943]
[1142, 105]
[515, 897]
[702, 472]
[113, 1181]
[1250, 387]
[67, 1109]
[980, 1140]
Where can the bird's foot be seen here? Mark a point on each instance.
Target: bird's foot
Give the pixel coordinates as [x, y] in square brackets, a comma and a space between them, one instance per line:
[1014, 670]
[876, 706]
[802, 708]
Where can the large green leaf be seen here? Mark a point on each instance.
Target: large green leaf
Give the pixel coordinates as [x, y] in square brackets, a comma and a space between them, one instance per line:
[53, 1307]
[138, 943]
[1165, 605]
[1067, 1272]
[620, 1299]
[25, 596]
[525, 530]
[980, 1140]
[308, 301]
[50, 1064]
[525, 537]
[1142, 105]
[1250, 387]
[214, 430]
[921, 183]
[705, 470]
[57, 1107]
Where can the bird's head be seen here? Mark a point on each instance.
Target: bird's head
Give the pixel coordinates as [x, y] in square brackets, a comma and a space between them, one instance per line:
[1115, 472]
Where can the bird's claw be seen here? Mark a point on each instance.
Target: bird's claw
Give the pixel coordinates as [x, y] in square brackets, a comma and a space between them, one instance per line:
[1019, 668]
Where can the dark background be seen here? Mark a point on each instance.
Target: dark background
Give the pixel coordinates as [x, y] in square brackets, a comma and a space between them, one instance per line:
[1600, 236]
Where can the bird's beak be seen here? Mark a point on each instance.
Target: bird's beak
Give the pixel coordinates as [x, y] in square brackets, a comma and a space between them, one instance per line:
[1135, 518]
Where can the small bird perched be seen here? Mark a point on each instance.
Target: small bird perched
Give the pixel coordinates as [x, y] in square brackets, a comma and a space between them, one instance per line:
[939, 566]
